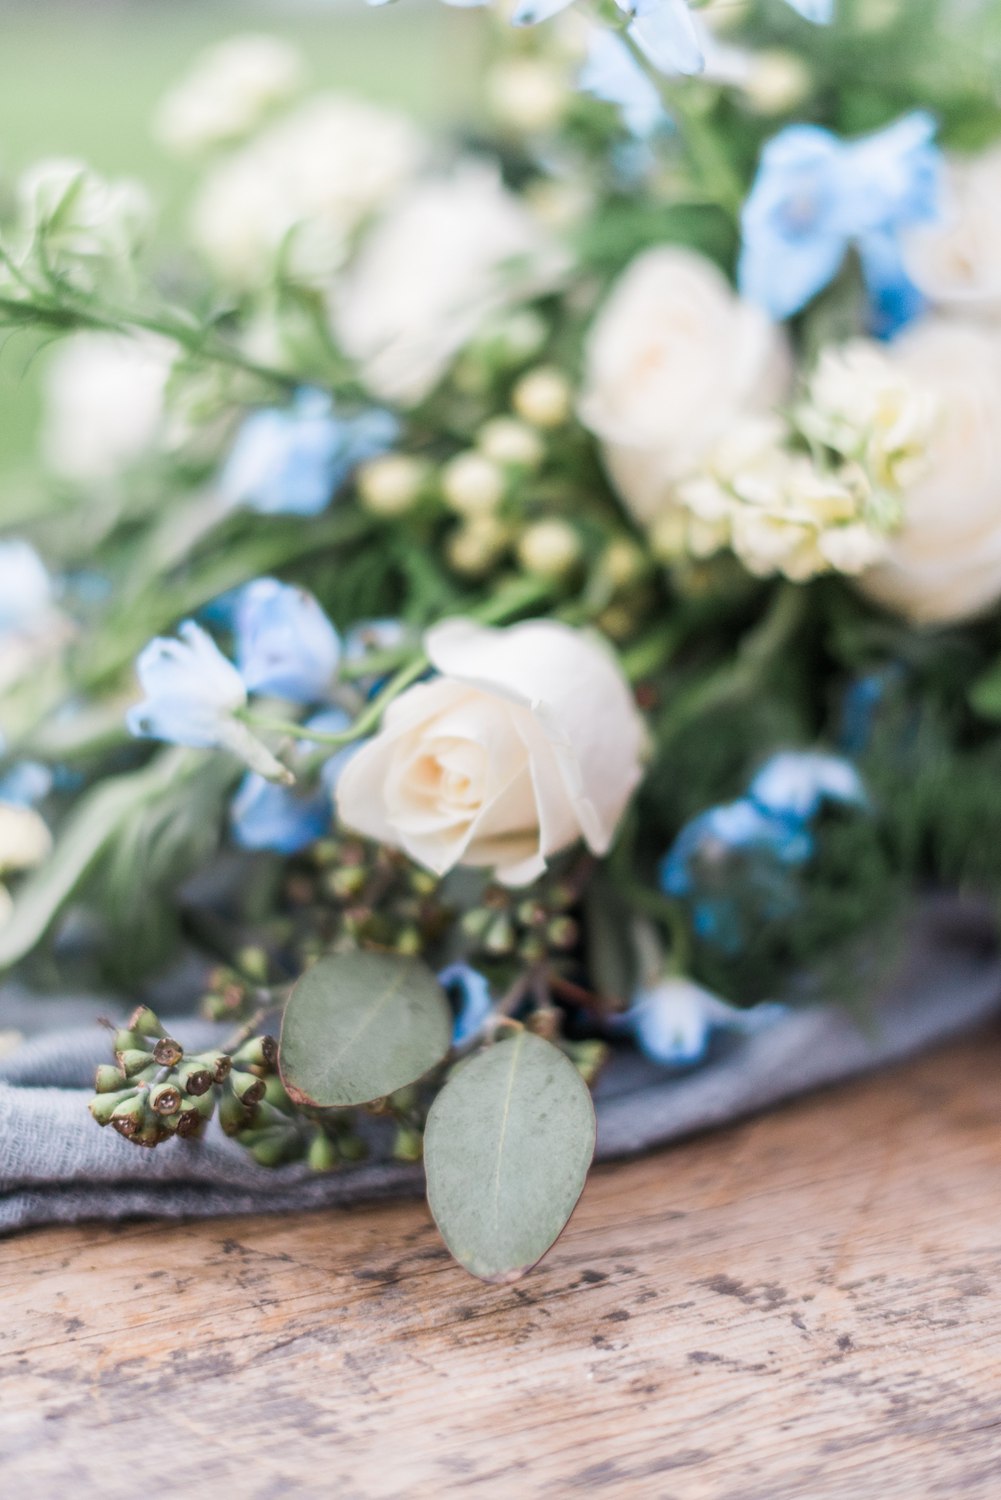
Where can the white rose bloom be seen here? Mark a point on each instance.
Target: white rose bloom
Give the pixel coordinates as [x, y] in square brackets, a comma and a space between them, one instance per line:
[227, 93]
[299, 191]
[103, 404]
[944, 564]
[956, 262]
[673, 360]
[529, 740]
[867, 407]
[449, 254]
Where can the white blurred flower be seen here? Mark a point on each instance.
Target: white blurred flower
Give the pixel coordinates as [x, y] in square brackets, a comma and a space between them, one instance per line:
[527, 94]
[84, 221]
[956, 262]
[780, 512]
[297, 193]
[103, 404]
[227, 92]
[865, 406]
[529, 740]
[944, 563]
[24, 842]
[673, 360]
[448, 254]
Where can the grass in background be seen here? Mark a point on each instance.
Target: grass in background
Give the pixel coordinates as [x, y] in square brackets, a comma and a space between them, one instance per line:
[81, 79]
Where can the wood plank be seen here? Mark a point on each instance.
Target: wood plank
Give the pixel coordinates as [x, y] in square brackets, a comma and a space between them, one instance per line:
[808, 1305]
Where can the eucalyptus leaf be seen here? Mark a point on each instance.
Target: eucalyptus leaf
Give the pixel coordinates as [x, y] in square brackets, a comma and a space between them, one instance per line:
[359, 1026]
[508, 1143]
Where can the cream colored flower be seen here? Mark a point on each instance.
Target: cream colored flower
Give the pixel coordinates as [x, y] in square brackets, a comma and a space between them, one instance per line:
[944, 563]
[866, 407]
[956, 262]
[449, 254]
[779, 511]
[103, 404]
[527, 741]
[673, 360]
[297, 193]
[227, 92]
[24, 842]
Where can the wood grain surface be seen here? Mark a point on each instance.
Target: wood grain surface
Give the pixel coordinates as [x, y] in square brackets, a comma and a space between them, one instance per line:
[808, 1305]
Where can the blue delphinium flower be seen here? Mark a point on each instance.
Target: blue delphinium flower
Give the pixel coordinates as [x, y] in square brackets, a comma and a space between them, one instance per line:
[192, 696]
[664, 30]
[192, 691]
[293, 460]
[287, 819]
[611, 73]
[735, 863]
[25, 783]
[672, 1022]
[370, 636]
[472, 993]
[815, 196]
[797, 783]
[285, 645]
[25, 586]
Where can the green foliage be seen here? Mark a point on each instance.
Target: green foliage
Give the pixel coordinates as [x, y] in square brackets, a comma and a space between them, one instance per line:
[359, 1026]
[508, 1143]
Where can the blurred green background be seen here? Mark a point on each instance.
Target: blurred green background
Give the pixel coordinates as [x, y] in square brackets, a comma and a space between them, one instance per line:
[81, 78]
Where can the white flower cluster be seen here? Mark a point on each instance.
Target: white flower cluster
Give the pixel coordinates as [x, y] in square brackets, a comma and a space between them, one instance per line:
[831, 509]
[776, 508]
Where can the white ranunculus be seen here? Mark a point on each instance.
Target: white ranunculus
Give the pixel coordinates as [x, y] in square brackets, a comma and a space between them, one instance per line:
[945, 562]
[673, 360]
[527, 741]
[451, 252]
[956, 261]
[227, 92]
[299, 191]
[103, 404]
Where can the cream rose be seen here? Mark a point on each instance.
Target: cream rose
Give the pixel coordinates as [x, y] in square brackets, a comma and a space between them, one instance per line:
[944, 563]
[527, 741]
[674, 358]
[957, 260]
[448, 254]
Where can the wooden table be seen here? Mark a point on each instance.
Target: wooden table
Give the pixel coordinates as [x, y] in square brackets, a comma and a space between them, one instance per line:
[807, 1305]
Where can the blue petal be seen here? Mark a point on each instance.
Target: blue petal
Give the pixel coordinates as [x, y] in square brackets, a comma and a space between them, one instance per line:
[25, 784]
[612, 74]
[665, 32]
[285, 644]
[795, 784]
[265, 816]
[820, 12]
[894, 299]
[794, 237]
[473, 994]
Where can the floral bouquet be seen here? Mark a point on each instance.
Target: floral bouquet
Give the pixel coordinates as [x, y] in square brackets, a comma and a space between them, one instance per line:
[493, 603]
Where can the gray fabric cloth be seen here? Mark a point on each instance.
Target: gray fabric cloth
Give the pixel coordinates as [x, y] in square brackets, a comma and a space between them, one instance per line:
[55, 1166]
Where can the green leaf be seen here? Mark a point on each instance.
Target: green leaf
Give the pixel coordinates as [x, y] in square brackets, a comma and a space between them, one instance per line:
[359, 1026]
[985, 694]
[508, 1143]
[87, 832]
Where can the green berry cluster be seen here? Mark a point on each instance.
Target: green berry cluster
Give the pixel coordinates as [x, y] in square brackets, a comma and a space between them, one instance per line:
[153, 1090]
[536, 928]
[345, 893]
